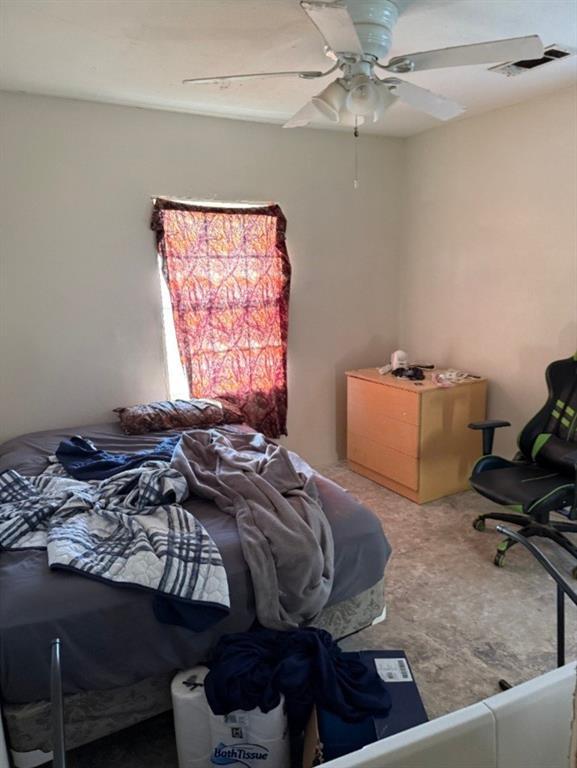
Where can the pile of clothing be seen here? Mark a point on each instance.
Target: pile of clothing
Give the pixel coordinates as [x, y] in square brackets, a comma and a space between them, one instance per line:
[306, 666]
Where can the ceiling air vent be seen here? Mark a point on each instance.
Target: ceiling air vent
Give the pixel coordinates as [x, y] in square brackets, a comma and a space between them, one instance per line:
[514, 68]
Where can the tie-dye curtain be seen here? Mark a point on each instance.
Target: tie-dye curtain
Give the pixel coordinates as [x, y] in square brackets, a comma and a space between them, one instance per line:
[228, 275]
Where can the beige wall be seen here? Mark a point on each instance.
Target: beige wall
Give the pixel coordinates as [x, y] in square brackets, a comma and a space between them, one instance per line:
[487, 278]
[80, 318]
[489, 264]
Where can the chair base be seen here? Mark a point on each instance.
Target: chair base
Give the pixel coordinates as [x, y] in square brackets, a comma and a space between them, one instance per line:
[552, 530]
[505, 517]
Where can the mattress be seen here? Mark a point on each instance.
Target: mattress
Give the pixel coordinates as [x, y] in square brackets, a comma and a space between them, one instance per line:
[110, 636]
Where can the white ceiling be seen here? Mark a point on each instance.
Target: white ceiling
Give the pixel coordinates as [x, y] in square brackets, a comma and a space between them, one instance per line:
[137, 52]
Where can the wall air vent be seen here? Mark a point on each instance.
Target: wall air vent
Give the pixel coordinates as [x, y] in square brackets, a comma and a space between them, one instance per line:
[514, 68]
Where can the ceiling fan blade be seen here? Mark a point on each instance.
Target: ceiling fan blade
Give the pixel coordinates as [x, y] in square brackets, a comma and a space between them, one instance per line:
[512, 49]
[423, 100]
[303, 117]
[307, 75]
[334, 23]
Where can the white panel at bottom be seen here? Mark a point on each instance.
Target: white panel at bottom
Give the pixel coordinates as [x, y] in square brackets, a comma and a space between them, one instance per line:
[468, 734]
[534, 721]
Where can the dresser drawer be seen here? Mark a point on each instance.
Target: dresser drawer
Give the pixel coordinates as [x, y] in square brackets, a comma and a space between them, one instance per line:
[381, 429]
[398, 466]
[380, 402]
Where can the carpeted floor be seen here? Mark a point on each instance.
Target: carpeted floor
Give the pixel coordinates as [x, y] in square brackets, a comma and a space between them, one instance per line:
[463, 622]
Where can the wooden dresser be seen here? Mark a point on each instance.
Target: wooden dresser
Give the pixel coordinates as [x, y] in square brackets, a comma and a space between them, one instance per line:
[413, 438]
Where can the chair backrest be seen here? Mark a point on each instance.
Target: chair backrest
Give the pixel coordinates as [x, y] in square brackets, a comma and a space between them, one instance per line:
[550, 438]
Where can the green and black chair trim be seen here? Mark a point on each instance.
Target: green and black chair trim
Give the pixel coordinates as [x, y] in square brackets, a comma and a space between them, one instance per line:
[541, 478]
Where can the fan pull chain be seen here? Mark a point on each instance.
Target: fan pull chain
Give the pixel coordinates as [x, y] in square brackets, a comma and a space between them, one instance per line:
[356, 154]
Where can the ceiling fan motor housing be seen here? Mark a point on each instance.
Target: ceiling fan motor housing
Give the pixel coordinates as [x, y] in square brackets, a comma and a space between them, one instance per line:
[374, 21]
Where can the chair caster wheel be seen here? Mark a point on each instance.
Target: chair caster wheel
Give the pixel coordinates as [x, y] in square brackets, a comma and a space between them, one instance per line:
[499, 560]
[479, 524]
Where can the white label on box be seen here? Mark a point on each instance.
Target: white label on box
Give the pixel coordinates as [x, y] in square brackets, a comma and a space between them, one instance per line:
[393, 670]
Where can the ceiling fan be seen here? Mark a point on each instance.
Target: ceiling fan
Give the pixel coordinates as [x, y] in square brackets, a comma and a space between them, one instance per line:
[357, 35]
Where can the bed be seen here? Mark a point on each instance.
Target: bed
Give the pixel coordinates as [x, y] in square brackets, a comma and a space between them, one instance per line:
[117, 658]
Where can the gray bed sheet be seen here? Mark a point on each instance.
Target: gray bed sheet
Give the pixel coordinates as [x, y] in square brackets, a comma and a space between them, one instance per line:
[110, 636]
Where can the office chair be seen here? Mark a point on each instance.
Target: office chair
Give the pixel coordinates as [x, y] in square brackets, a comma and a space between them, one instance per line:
[541, 478]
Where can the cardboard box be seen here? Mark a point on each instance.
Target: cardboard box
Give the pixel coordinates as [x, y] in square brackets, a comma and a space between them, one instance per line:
[332, 737]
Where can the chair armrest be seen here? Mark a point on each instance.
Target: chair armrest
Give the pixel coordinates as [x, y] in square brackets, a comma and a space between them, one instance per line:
[491, 424]
[488, 428]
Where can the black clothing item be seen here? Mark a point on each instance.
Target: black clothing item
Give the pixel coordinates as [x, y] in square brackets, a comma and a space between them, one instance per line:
[252, 669]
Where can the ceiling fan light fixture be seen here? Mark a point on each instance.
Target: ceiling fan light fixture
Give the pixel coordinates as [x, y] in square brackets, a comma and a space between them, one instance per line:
[364, 98]
[331, 101]
[387, 99]
[349, 120]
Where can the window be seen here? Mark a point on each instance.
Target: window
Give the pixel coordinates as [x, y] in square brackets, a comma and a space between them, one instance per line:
[227, 275]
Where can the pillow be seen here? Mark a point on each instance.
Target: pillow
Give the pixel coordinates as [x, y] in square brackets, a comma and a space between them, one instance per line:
[177, 414]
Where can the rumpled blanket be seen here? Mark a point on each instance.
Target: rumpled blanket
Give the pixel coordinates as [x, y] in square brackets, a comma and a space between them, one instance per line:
[129, 530]
[285, 536]
[252, 669]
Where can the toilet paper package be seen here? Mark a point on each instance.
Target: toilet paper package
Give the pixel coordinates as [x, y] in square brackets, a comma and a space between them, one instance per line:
[249, 739]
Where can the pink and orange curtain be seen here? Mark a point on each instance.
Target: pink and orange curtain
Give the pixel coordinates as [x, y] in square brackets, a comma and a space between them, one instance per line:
[228, 275]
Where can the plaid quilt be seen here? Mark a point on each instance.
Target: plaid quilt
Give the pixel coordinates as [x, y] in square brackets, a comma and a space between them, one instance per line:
[130, 529]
